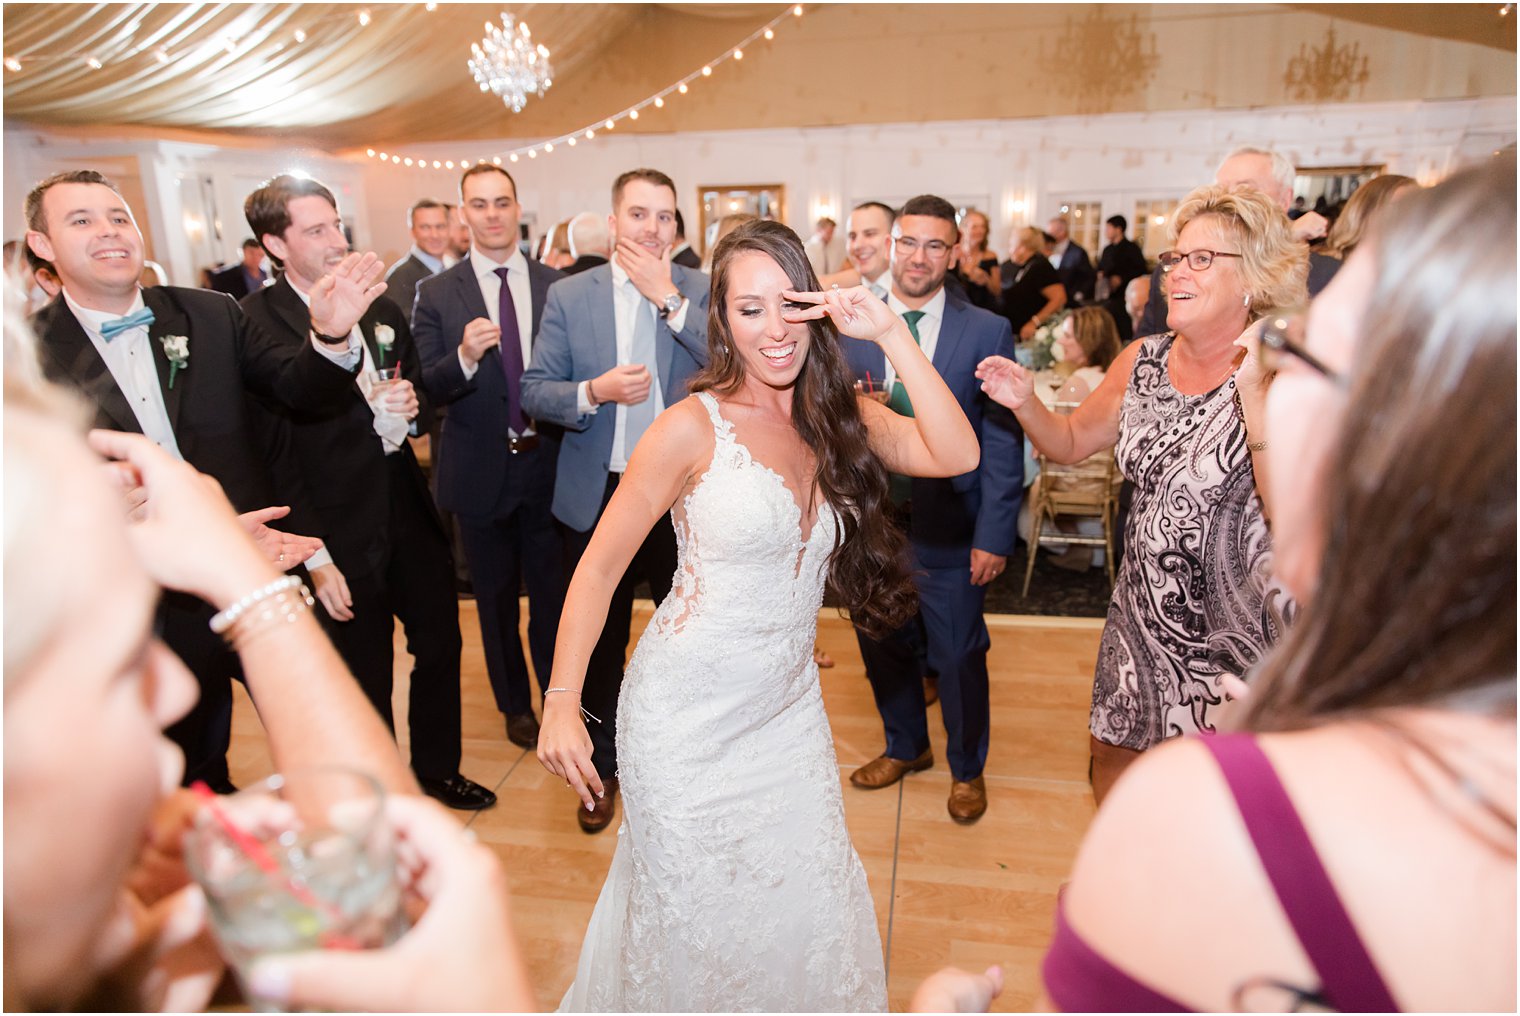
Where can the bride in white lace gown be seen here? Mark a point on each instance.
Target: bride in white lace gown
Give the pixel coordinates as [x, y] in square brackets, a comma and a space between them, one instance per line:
[734, 885]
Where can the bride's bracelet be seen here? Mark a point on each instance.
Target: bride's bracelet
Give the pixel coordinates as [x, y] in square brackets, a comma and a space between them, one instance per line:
[551, 691]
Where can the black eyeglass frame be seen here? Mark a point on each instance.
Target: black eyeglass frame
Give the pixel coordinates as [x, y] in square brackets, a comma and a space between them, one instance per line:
[1275, 342]
[1179, 256]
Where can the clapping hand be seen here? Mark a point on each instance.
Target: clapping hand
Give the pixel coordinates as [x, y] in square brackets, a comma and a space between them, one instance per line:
[1005, 381]
[854, 311]
[342, 296]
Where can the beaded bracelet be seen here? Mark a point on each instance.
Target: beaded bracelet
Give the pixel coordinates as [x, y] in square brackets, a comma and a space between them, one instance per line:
[224, 620]
[283, 608]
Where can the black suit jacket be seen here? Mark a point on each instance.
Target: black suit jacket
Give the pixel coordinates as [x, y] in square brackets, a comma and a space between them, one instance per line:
[584, 262]
[471, 462]
[688, 258]
[230, 356]
[343, 470]
[1076, 272]
[231, 281]
[401, 283]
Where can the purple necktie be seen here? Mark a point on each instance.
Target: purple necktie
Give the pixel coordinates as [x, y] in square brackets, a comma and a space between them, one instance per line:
[511, 355]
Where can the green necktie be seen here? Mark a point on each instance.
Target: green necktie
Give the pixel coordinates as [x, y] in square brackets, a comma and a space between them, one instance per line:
[898, 401]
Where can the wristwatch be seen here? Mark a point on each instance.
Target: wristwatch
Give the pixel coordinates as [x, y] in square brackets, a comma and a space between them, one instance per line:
[671, 304]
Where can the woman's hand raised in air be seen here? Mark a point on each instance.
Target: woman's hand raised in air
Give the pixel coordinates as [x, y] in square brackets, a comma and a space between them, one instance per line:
[1005, 381]
[856, 312]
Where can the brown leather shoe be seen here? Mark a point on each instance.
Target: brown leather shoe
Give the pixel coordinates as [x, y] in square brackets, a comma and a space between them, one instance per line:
[968, 801]
[883, 771]
[606, 806]
[931, 690]
[522, 729]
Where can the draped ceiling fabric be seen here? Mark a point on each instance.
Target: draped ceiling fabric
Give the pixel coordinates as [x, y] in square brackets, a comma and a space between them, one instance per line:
[402, 78]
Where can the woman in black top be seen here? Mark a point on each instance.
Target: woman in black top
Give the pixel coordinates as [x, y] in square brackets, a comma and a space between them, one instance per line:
[1032, 290]
[976, 265]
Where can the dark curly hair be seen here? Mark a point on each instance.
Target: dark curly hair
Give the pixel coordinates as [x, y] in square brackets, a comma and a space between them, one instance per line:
[868, 567]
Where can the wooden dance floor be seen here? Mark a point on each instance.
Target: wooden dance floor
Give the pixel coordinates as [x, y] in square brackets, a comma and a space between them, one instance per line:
[945, 894]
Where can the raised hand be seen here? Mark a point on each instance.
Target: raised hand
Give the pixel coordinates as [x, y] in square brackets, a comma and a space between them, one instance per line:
[189, 538]
[1005, 381]
[479, 336]
[650, 274]
[854, 311]
[1251, 376]
[342, 296]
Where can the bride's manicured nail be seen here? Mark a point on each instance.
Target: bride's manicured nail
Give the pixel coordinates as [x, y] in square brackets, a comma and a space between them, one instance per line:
[601, 793]
[590, 807]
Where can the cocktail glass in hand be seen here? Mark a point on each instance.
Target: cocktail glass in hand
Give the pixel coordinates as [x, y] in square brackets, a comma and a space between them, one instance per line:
[873, 388]
[301, 861]
[385, 377]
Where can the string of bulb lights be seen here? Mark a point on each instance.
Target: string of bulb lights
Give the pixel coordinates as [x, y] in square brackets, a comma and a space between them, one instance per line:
[162, 55]
[588, 132]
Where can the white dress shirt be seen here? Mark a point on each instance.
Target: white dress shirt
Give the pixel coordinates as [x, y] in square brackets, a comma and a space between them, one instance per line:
[432, 264]
[1058, 252]
[129, 358]
[882, 282]
[928, 327]
[627, 301]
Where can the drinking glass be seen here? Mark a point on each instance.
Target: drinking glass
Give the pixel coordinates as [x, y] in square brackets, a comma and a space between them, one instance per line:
[873, 388]
[303, 860]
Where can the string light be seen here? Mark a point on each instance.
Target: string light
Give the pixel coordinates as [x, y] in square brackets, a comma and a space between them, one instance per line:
[300, 35]
[93, 63]
[12, 64]
[658, 100]
[364, 18]
[161, 55]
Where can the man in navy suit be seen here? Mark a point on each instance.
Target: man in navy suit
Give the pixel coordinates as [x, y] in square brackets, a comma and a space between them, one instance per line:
[244, 277]
[962, 529]
[1071, 263]
[474, 326]
[618, 344]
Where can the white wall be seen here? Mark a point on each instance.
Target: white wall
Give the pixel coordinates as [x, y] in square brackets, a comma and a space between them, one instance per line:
[1115, 160]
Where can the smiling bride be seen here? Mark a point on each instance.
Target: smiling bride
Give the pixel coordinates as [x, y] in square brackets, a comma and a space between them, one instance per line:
[734, 885]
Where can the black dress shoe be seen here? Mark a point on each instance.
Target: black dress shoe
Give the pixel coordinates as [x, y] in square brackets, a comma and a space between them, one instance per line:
[522, 729]
[458, 791]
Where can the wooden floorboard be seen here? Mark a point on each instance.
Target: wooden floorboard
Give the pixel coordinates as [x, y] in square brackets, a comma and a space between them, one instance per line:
[944, 893]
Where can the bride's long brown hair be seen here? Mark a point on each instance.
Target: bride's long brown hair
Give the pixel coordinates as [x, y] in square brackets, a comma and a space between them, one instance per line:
[868, 568]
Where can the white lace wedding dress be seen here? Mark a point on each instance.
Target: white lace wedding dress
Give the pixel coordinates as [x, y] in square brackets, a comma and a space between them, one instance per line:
[734, 886]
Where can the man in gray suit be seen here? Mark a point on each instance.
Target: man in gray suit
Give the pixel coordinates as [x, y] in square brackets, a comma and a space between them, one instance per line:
[429, 222]
[617, 346]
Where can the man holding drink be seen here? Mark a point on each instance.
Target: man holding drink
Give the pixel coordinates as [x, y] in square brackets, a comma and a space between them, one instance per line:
[389, 556]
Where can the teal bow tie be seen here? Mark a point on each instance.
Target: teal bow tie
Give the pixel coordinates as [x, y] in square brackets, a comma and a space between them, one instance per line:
[114, 327]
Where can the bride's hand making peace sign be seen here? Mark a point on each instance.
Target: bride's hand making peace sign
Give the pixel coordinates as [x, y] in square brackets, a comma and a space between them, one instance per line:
[856, 312]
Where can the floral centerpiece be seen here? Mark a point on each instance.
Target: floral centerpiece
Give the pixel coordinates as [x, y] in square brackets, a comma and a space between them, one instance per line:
[1034, 353]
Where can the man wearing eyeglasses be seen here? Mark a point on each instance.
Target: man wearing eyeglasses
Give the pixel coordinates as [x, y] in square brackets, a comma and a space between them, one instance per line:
[962, 529]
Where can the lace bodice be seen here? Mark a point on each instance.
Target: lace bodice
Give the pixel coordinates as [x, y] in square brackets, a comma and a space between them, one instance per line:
[742, 556]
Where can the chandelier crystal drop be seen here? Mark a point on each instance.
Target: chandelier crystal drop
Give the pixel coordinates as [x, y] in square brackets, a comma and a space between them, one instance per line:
[507, 63]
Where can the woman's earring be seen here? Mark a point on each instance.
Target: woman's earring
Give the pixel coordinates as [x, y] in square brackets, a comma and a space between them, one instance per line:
[723, 348]
[1245, 301]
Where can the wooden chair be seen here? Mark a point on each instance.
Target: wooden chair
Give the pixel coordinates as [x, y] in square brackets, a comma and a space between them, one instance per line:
[1086, 489]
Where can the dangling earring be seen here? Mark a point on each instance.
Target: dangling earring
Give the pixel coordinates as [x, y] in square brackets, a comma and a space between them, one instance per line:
[1245, 301]
[723, 348]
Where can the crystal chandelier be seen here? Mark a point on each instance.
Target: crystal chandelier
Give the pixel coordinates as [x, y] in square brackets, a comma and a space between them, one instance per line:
[507, 63]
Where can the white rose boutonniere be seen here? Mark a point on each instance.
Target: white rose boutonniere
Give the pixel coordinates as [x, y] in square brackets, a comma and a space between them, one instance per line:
[385, 338]
[177, 349]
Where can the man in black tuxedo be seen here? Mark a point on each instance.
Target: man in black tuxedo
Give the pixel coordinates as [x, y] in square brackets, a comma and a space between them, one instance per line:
[1121, 261]
[177, 365]
[684, 255]
[474, 326]
[429, 222]
[386, 553]
[1071, 262]
[238, 280]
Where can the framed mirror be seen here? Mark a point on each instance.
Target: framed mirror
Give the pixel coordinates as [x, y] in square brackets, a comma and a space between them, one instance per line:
[1324, 189]
[767, 200]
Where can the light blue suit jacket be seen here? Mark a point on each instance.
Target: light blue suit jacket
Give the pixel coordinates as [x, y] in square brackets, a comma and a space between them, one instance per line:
[577, 341]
